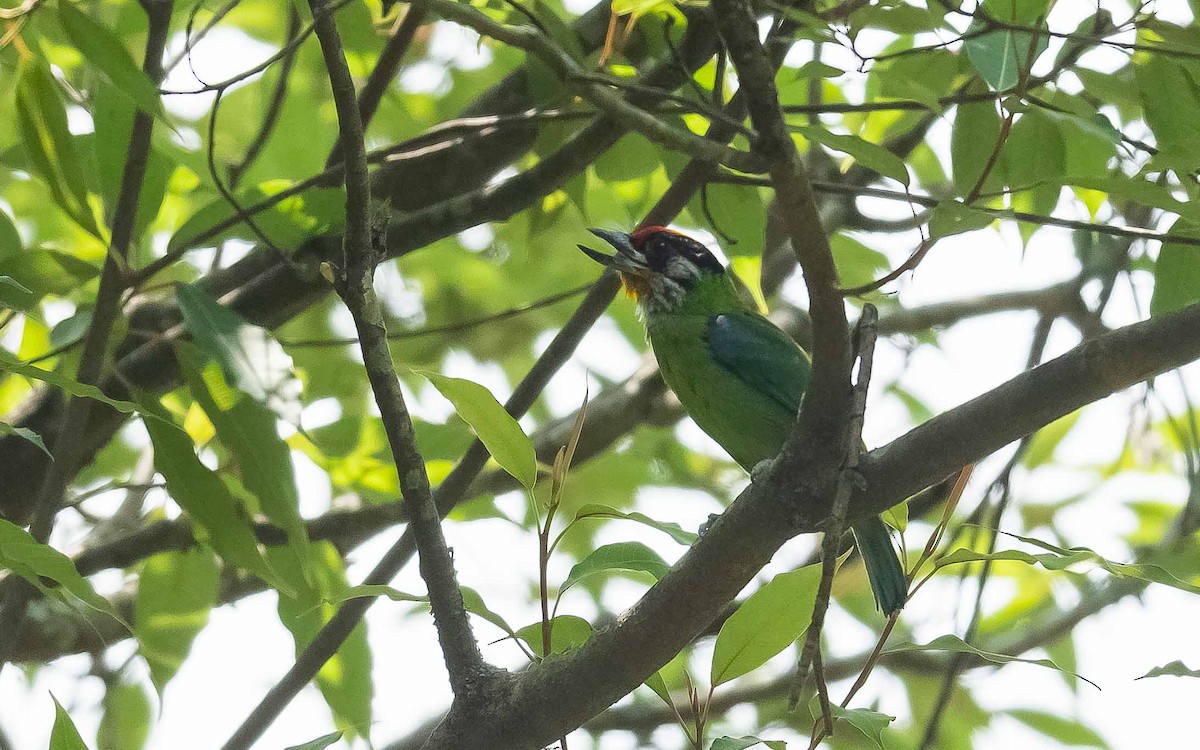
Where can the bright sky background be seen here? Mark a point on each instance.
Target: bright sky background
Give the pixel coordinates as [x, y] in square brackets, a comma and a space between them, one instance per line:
[244, 649]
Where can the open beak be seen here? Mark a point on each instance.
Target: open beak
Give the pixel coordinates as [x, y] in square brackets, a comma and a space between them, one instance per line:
[630, 263]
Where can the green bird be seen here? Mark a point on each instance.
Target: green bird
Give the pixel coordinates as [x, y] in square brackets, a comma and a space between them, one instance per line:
[737, 375]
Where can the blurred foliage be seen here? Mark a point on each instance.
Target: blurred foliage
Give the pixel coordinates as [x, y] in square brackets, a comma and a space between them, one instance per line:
[1105, 126]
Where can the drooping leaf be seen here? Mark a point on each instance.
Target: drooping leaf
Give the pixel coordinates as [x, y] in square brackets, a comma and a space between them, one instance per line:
[48, 141]
[1003, 55]
[494, 426]
[46, 568]
[1172, 669]
[896, 516]
[64, 735]
[344, 680]
[70, 385]
[674, 530]
[633, 556]
[473, 603]
[955, 645]
[973, 139]
[100, 47]
[1045, 441]
[246, 427]
[207, 501]
[1176, 272]
[770, 620]
[175, 592]
[127, 719]
[951, 217]
[251, 359]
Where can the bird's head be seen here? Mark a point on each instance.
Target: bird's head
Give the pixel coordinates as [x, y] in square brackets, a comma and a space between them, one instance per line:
[658, 266]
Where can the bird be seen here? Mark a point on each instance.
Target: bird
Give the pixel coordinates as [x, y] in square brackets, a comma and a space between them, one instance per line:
[738, 376]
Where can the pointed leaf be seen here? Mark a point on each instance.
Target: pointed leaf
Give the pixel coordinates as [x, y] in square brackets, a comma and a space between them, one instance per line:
[870, 723]
[955, 645]
[494, 426]
[319, 743]
[871, 155]
[49, 570]
[674, 530]
[73, 387]
[619, 556]
[741, 743]
[1065, 731]
[26, 434]
[64, 735]
[769, 621]
[567, 632]
[100, 47]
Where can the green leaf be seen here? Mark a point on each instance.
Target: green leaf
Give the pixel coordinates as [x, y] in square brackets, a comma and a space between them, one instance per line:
[37, 272]
[1172, 669]
[1170, 98]
[674, 530]
[288, 223]
[856, 263]
[127, 719]
[1065, 731]
[49, 143]
[75, 388]
[769, 621]
[1046, 440]
[738, 212]
[8, 282]
[870, 723]
[319, 743]
[955, 645]
[1034, 159]
[633, 556]
[175, 592]
[896, 516]
[1058, 558]
[871, 155]
[973, 138]
[26, 434]
[494, 426]
[741, 743]
[112, 116]
[1001, 56]
[207, 501]
[250, 358]
[951, 217]
[64, 735]
[247, 429]
[344, 680]
[567, 632]
[1176, 272]
[10, 243]
[100, 47]
[46, 568]
[473, 603]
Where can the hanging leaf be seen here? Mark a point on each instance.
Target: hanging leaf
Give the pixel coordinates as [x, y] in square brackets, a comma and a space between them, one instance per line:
[870, 155]
[25, 434]
[1176, 272]
[319, 743]
[52, 572]
[494, 426]
[100, 47]
[955, 645]
[175, 592]
[127, 718]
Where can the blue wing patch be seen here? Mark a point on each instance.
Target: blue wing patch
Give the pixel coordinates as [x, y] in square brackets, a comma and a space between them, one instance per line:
[765, 358]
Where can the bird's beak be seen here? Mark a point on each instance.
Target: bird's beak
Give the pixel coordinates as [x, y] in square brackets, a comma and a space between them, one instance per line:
[628, 262]
[627, 259]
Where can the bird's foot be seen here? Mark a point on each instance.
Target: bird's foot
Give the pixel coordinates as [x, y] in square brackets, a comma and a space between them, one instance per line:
[704, 527]
[761, 469]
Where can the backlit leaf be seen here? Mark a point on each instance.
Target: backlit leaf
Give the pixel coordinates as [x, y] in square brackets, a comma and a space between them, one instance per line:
[633, 556]
[175, 592]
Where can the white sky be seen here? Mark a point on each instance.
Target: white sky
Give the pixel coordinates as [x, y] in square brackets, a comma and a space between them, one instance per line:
[244, 649]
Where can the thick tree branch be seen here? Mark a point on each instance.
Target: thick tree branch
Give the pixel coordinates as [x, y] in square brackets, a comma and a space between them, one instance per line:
[558, 696]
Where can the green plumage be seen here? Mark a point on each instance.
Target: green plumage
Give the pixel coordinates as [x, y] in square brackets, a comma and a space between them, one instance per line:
[742, 379]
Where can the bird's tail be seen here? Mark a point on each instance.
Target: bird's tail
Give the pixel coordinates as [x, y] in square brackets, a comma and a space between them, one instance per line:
[888, 581]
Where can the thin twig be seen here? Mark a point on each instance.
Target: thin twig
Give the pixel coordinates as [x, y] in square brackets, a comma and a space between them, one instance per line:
[865, 335]
[356, 286]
